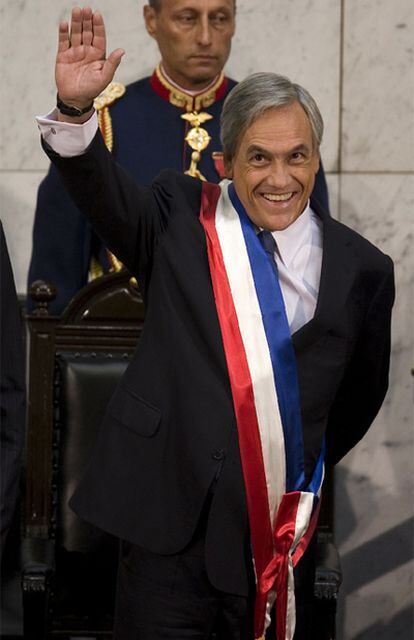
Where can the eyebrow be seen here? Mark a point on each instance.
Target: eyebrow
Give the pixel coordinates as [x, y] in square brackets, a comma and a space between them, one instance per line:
[300, 147]
[221, 9]
[258, 149]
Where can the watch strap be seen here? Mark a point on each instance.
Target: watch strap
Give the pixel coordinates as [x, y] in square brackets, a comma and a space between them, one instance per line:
[73, 112]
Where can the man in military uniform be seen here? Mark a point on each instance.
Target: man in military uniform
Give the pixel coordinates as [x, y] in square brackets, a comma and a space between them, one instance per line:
[170, 119]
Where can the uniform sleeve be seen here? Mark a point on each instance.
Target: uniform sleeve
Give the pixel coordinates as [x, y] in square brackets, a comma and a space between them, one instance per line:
[62, 243]
[366, 380]
[12, 391]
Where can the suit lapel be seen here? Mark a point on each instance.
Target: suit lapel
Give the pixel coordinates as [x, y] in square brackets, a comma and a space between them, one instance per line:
[337, 275]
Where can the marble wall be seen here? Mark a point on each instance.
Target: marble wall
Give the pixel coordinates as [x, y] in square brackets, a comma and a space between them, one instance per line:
[356, 57]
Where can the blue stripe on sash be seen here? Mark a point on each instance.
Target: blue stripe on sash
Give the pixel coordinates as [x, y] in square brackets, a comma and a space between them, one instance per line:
[280, 346]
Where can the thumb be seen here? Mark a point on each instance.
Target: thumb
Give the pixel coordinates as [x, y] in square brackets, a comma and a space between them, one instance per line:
[111, 63]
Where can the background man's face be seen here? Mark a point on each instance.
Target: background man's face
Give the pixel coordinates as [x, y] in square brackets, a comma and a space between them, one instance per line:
[274, 167]
[194, 38]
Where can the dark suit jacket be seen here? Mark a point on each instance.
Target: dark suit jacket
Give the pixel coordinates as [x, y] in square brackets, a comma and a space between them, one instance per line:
[12, 390]
[170, 433]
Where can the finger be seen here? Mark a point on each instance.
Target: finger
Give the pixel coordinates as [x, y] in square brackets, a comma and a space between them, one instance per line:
[111, 64]
[76, 27]
[99, 35]
[87, 29]
[64, 43]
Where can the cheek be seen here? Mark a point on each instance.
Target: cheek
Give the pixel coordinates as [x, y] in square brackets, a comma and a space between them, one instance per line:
[305, 177]
[224, 43]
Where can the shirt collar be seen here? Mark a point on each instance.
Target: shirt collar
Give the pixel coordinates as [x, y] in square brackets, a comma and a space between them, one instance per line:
[181, 89]
[291, 239]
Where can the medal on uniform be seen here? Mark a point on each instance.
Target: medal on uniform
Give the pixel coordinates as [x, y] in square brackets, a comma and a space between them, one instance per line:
[198, 139]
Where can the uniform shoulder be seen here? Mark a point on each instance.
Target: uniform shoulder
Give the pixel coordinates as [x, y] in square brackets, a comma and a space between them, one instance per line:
[113, 92]
[116, 92]
[138, 85]
[231, 82]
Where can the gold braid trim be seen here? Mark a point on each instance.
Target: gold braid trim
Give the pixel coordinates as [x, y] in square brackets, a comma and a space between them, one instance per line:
[183, 100]
[112, 93]
[105, 125]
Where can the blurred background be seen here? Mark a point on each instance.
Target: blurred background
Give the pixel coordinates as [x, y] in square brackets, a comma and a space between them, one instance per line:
[356, 58]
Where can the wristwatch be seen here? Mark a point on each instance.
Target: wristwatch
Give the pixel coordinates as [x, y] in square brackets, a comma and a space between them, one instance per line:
[73, 112]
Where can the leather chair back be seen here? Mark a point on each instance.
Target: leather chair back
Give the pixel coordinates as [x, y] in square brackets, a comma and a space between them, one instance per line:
[75, 363]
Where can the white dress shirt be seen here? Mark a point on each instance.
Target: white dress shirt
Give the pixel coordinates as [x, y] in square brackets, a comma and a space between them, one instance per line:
[299, 246]
[299, 261]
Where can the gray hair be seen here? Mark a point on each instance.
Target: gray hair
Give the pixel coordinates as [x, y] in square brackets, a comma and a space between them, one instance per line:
[156, 4]
[255, 95]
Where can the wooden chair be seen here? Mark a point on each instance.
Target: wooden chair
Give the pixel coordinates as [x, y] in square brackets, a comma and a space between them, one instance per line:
[75, 362]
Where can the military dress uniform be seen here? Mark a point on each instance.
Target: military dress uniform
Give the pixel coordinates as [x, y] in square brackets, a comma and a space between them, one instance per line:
[150, 125]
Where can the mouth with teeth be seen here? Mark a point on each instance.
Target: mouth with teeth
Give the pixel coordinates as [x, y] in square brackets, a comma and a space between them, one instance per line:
[278, 197]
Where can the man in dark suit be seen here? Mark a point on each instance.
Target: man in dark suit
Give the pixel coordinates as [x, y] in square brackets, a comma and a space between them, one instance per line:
[12, 391]
[143, 126]
[265, 353]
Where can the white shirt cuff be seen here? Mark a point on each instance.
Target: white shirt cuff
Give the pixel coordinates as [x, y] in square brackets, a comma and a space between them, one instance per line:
[65, 138]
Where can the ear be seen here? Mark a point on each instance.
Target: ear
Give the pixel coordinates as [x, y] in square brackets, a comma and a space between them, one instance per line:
[150, 19]
[228, 168]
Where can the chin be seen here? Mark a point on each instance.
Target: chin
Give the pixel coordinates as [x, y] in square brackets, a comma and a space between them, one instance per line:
[279, 222]
[203, 71]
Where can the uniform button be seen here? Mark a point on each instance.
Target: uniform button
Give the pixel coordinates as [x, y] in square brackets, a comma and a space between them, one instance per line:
[218, 454]
[53, 131]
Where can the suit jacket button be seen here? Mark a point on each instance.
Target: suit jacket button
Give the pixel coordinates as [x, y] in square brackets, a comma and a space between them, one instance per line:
[218, 454]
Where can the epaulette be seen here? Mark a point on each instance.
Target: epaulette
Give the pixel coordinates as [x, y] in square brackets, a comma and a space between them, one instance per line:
[111, 94]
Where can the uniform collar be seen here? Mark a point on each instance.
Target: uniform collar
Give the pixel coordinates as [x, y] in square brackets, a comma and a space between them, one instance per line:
[189, 101]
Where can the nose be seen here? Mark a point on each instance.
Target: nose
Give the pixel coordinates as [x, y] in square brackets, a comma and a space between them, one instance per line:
[204, 32]
[279, 176]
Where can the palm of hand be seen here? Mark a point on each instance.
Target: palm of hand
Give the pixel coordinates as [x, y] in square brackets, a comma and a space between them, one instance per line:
[80, 72]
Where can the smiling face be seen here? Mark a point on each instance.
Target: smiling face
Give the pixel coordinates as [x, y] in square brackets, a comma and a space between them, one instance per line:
[274, 167]
[194, 38]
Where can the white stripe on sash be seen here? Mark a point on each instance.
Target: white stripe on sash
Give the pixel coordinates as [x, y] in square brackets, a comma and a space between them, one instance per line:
[255, 343]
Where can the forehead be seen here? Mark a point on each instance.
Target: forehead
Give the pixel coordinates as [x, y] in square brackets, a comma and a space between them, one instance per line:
[170, 6]
[286, 125]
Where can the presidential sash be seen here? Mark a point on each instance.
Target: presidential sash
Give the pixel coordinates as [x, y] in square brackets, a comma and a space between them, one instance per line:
[262, 371]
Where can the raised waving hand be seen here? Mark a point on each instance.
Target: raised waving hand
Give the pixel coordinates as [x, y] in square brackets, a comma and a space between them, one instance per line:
[82, 69]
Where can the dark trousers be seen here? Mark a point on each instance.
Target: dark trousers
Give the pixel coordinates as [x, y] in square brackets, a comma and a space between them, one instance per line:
[163, 597]
[170, 597]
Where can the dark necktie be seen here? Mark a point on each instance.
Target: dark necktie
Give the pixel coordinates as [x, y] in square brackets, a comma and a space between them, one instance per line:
[269, 245]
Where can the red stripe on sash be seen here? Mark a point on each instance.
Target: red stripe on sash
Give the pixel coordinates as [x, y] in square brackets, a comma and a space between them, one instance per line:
[243, 399]
[303, 544]
[276, 574]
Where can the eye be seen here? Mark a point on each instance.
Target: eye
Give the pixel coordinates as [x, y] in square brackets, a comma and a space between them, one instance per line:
[297, 156]
[220, 19]
[257, 158]
[186, 18]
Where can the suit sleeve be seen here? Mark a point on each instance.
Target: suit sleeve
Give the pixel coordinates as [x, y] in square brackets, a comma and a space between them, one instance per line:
[63, 243]
[12, 390]
[366, 380]
[128, 218]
